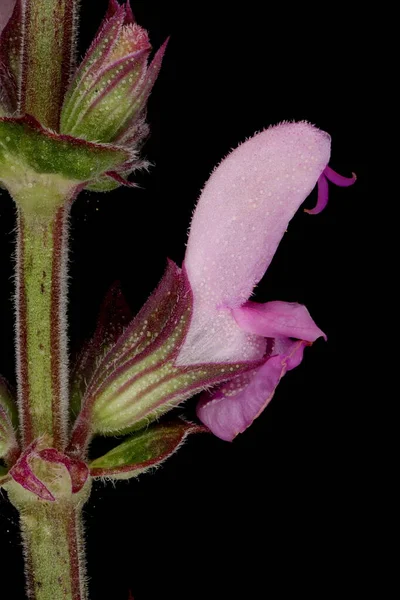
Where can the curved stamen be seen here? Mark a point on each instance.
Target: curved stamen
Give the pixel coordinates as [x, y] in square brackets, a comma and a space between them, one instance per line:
[323, 189]
[323, 196]
[339, 180]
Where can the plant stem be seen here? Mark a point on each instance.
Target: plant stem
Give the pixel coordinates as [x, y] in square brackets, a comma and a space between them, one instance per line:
[52, 534]
[49, 44]
[51, 531]
[41, 324]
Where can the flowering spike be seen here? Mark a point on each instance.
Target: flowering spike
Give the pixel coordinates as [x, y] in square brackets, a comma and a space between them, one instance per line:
[197, 331]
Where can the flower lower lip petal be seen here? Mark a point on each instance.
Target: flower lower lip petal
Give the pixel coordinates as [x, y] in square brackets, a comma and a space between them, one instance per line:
[278, 319]
[228, 415]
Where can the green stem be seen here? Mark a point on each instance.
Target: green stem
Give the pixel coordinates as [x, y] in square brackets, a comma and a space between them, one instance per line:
[51, 531]
[52, 534]
[49, 56]
[42, 362]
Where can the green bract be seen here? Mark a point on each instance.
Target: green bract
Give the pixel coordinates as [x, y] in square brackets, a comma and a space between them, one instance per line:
[143, 450]
[29, 153]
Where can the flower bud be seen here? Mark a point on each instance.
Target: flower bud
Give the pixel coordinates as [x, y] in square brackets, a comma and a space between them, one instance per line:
[107, 96]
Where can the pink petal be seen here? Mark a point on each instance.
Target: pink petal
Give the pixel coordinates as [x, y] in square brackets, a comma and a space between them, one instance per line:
[246, 206]
[229, 412]
[278, 319]
[240, 219]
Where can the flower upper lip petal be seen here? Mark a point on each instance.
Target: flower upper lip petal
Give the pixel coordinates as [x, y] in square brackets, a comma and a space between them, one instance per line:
[240, 219]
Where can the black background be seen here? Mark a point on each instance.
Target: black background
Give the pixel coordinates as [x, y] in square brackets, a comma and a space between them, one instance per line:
[279, 511]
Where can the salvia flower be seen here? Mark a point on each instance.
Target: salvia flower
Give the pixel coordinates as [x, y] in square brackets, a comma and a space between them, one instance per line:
[240, 219]
[199, 330]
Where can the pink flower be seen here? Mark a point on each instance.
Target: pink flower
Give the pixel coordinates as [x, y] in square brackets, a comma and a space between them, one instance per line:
[240, 219]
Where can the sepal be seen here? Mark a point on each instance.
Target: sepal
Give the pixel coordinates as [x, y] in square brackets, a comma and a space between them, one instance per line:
[136, 387]
[108, 105]
[139, 380]
[95, 58]
[108, 95]
[114, 316]
[142, 451]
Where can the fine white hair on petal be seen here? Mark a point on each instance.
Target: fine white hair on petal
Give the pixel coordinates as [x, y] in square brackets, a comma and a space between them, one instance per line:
[240, 218]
